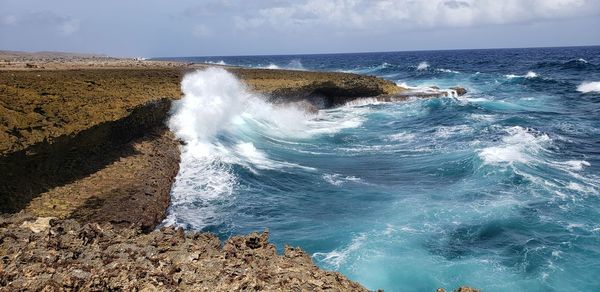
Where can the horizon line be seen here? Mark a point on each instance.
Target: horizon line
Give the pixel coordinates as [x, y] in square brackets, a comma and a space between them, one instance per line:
[371, 52]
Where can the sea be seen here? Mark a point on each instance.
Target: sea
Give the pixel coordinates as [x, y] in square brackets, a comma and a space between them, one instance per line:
[498, 189]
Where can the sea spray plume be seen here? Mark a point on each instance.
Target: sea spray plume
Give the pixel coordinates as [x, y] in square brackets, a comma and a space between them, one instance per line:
[295, 64]
[215, 105]
[212, 98]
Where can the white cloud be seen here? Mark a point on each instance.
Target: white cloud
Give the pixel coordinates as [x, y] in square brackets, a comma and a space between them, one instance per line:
[9, 19]
[376, 15]
[201, 31]
[64, 25]
[69, 27]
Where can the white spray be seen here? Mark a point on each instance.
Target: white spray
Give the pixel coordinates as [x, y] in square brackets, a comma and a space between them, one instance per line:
[215, 102]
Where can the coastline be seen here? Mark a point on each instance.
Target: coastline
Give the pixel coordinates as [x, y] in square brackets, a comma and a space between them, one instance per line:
[93, 127]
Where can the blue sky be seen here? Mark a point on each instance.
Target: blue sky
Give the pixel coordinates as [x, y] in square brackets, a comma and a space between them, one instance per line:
[154, 28]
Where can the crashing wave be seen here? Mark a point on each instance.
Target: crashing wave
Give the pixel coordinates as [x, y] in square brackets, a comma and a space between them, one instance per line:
[422, 66]
[294, 64]
[219, 121]
[220, 62]
[519, 145]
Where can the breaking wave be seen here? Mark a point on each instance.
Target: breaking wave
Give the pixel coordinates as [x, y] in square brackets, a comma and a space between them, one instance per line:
[294, 64]
[519, 145]
[529, 75]
[220, 121]
[587, 87]
[220, 62]
[422, 66]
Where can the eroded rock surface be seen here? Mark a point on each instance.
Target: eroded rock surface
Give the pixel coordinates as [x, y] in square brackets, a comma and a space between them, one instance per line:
[42, 105]
[69, 255]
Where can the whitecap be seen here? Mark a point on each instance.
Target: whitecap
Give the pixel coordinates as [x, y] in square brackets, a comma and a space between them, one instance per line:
[337, 179]
[587, 87]
[271, 66]
[448, 131]
[337, 257]
[216, 102]
[401, 137]
[529, 75]
[576, 164]
[447, 71]
[483, 117]
[519, 145]
[294, 64]
[422, 66]
[220, 62]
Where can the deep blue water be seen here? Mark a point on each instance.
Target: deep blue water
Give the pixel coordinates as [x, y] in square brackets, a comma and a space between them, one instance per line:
[498, 189]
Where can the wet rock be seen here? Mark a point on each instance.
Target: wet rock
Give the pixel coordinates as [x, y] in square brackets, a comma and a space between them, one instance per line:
[460, 91]
[467, 289]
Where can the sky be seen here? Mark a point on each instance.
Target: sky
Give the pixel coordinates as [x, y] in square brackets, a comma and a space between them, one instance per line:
[162, 28]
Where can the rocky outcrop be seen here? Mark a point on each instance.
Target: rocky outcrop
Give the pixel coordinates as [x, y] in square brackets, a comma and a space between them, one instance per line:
[117, 171]
[68, 255]
[322, 89]
[43, 105]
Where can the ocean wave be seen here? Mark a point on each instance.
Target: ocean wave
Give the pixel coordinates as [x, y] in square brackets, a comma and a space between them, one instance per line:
[447, 71]
[294, 64]
[337, 179]
[450, 131]
[337, 257]
[570, 64]
[587, 87]
[526, 151]
[223, 125]
[369, 69]
[401, 137]
[519, 145]
[217, 104]
[220, 62]
[529, 75]
[422, 66]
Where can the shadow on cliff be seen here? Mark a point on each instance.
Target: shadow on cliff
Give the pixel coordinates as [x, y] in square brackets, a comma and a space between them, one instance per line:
[26, 174]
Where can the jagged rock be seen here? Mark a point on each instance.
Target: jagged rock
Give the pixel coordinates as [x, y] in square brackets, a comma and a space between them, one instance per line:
[460, 91]
[74, 256]
[40, 224]
[467, 289]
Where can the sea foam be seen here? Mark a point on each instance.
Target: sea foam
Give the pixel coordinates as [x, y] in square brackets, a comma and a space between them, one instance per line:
[519, 145]
[216, 102]
[529, 75]
[422, 66]
[587, 87]
[215, 105]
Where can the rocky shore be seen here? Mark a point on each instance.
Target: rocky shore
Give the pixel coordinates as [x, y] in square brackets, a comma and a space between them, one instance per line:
[67, 255]
[86, 167]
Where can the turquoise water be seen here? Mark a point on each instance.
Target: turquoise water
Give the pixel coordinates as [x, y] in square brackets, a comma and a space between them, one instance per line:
[498, 189]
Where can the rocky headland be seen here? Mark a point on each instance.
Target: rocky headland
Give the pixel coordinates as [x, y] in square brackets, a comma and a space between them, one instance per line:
[87, 164]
